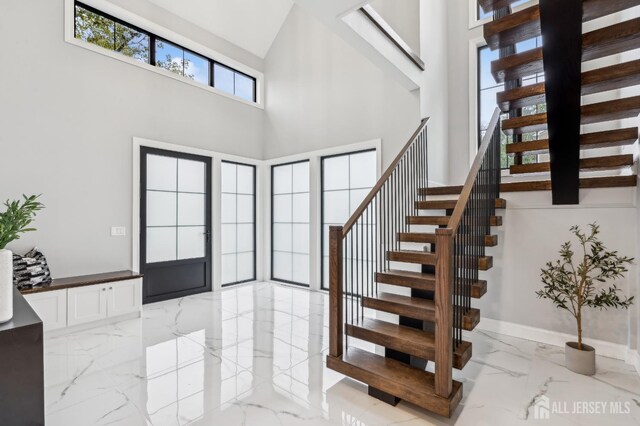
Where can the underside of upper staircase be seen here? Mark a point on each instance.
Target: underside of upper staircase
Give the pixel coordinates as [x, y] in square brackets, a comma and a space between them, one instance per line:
[545, 121]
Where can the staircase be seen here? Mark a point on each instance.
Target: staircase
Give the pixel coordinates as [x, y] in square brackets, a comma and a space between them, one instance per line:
[405, 269]
[420, 260]
[511, 28]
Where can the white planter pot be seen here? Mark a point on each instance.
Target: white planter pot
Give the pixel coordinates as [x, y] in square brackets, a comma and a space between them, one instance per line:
[6, 285]
[580, 361]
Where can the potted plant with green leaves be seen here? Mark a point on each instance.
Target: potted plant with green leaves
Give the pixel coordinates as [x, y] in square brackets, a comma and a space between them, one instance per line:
[574, 287]
[14, 222]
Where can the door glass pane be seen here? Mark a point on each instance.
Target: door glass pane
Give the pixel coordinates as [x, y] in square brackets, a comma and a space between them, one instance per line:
[238, 218]
[161, 208]
[246, 265]
[282, 237]
[229, 238]
[191, 242]
[161, 244]
[228, 178]
[301, 177]
[162, 173]
[346, 181]
[191, 209]
[245, 179]
[300, 268]
[282, 179]
[290, 221]
[362, 170]
[191, 176]
[282, 208]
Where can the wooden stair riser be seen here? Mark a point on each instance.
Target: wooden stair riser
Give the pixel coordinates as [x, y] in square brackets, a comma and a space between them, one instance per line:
[606, 139]
[591, 9]
[596, 182]
[443, 220]
[411, 341]
[501, 203]
[415, 308]
[397, 379]
[426, 283]
[612, 162]
[406, 256]
[430, 238]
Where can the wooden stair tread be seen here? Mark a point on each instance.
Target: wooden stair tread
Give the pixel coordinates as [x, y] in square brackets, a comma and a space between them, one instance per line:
[594, 9]
[611, 162]
[423, 281]
[409, 340]
[599, 80]
[611, 40]
[443, 220]
[430, 238]
[412, 256]
[396, 378]
[501, 203]
[513, 28]
[544, 185]
[605, 139]
[617, 109]
[414, 307]
[521, 97]
[519, 65]
[525, 124]
[613, 77]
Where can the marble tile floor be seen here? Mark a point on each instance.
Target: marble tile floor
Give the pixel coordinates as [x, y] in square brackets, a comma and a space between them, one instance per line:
[255, 355]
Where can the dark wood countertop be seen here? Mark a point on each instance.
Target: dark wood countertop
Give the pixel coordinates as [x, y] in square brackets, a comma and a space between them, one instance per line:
[23, 314]
[85, 280]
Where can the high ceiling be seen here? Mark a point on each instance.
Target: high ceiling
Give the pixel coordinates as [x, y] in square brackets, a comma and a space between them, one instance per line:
[250, 24]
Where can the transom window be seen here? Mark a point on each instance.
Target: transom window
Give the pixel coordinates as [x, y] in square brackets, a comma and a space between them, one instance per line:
[108, 32]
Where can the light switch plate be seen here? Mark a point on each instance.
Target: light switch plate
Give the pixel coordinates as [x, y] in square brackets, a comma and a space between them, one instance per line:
[118, 231]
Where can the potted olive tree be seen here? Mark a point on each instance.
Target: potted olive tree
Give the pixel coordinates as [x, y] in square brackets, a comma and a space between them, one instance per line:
[14, 221]
[574, 287]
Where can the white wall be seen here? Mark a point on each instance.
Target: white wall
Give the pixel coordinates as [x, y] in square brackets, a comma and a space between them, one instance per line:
[434, 99]
[67, 119]
[532, 233]
[322, 93]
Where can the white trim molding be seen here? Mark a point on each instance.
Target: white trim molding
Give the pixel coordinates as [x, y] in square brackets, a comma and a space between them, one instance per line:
[549, 337]
[143, 23]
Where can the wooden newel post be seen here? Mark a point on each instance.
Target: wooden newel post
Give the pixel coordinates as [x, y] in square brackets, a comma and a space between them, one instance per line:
[444, 312]
[335, 292]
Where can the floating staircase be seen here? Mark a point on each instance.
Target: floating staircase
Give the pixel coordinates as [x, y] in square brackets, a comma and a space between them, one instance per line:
[405, 269]
[421, 264]
[614, 39]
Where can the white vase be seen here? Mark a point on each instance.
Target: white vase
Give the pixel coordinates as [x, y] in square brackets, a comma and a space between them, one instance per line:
[6, 285]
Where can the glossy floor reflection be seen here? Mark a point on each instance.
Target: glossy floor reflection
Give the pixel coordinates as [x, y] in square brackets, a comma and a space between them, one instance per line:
[254, 355]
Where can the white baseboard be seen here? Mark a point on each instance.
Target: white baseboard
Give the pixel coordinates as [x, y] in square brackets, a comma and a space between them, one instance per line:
[608, 349]
[633, 358]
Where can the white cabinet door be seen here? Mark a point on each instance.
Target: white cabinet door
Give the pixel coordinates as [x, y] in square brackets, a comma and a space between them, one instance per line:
[124, 297]
[87, 304]
[51, 307]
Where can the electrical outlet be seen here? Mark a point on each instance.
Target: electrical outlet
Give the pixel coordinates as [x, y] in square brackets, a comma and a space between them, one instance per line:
[118, 231]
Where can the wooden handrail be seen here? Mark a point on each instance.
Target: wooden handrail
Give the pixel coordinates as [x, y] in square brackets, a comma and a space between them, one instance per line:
[458, 211]
[385, 176]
